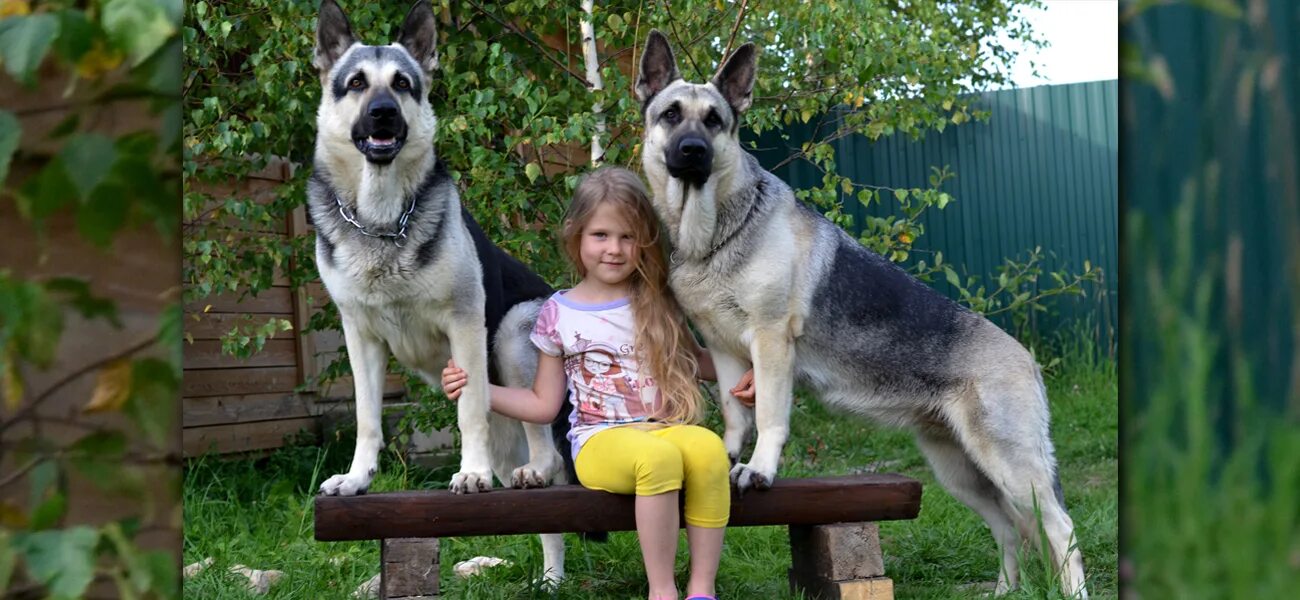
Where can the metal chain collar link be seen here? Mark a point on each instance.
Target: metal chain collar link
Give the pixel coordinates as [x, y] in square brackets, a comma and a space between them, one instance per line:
[401, 223]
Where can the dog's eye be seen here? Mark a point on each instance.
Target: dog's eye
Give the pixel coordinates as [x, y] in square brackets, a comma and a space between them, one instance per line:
[357, 82]
[713, 120]
[403, 83]
[670, 114]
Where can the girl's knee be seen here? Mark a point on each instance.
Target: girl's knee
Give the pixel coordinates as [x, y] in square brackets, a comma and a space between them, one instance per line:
[706, 453]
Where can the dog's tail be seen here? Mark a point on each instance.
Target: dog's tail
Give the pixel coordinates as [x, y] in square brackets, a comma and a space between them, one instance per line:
[1056, 474]
[560, 434]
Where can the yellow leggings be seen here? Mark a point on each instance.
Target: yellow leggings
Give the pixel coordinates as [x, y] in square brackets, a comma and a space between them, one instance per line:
[634, 459]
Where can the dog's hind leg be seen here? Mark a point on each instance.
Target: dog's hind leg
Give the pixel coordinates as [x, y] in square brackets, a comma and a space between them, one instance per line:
[516, 360]
[1006, 435]
[964, 480]
[369, 358]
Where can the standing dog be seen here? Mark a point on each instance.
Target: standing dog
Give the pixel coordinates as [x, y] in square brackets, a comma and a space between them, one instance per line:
[772, 283]
[409, 269]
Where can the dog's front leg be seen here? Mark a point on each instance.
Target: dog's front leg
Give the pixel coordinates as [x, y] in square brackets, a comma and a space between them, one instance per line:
[737, 417]
[773, 354]
[543, 460]
[468, 337]
[368, 357]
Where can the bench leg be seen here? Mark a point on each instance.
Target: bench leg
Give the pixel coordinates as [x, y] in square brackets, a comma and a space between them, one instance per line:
[839, 562]
[408, 569]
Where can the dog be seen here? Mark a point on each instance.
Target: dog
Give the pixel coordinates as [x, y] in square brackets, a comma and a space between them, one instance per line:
[772, 283]
[409, 269]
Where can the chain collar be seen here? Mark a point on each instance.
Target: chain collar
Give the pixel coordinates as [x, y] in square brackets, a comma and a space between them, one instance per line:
[398, 238]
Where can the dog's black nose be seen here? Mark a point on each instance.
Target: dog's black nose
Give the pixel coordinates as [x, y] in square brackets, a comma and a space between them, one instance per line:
[693, 148]
[383, 109]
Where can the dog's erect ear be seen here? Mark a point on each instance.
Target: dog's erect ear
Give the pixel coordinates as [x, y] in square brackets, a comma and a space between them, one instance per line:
[658, 67]
[333, 36]
[419, 35]
[736, 78]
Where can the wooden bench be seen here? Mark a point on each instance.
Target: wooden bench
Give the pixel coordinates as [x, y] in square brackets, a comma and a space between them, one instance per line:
[834, 542]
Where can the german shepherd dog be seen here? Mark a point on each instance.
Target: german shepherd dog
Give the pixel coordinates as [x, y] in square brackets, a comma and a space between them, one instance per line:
[772, 283]
[409, 269]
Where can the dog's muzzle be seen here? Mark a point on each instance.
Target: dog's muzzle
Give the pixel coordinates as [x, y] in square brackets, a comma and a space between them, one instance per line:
[690, 159]
[381, 131]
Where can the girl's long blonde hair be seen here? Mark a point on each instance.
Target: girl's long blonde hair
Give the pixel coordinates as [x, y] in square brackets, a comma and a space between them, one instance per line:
[665, 348]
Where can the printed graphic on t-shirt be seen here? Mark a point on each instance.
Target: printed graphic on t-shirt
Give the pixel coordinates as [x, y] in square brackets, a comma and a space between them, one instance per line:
[596, 343]
[608, 391]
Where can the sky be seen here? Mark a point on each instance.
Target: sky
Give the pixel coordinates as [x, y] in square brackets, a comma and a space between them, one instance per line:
[1084, 38]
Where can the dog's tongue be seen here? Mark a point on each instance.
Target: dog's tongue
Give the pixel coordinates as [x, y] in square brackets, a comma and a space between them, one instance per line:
[374, 141]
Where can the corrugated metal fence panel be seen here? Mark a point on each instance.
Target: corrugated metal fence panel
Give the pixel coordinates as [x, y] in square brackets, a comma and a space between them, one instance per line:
[1042, 171]
[1219, 143]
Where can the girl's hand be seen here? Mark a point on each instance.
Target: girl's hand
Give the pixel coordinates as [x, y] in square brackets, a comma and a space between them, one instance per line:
[744, 391]
[453, 380]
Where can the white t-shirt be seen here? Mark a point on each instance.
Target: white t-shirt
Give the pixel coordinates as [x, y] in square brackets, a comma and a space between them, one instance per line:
[596, 342]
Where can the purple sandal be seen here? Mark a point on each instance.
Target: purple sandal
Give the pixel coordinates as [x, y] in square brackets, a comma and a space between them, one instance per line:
[698, 597]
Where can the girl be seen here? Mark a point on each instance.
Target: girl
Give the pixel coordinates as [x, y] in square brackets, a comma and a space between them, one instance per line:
[622, 319]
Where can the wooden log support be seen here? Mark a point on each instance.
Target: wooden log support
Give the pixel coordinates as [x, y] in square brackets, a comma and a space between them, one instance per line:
[409, 569]
[572, 508]
[841, 561]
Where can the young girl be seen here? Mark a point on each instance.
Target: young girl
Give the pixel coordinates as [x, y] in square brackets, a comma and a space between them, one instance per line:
[621, 341]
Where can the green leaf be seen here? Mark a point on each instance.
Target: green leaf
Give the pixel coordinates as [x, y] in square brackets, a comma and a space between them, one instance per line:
[11, 132]
[952, 277]
[97, 457]
[24, 42]
[77, 35]
[46, 192]
[100, 219]
[83, 300]
[48, 513]
[138, 26]
[901, 194]
[88, 158]
[43, 478]
[152, 405]
[532, 170]
[105, 445]
[161, 567]
[61, 559]
[171, 329]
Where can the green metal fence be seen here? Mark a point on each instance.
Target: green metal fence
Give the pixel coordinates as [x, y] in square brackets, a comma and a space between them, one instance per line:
[1212, 199]
[1041, 171]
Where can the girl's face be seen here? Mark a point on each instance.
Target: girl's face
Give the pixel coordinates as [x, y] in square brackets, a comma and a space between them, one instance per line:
[608, 247]
[594, 366]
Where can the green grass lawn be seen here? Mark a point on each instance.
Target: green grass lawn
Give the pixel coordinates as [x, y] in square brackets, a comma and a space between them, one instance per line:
[258, 513]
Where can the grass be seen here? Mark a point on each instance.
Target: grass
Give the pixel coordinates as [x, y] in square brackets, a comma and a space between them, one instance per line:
[258, 512]
[1212, 478]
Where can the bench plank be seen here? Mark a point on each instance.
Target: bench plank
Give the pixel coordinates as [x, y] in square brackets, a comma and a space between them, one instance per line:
[573, 508]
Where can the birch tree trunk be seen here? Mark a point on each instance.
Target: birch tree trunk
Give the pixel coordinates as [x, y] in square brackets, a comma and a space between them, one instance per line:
[593, 79]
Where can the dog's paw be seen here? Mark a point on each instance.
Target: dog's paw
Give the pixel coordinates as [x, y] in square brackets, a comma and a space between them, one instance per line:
[529, 476]
[345, 484]
[743, 478]
[550, 580]
[468, 482]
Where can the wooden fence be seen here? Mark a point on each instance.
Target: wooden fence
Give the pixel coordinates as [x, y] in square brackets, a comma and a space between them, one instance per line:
[237, 405]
